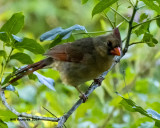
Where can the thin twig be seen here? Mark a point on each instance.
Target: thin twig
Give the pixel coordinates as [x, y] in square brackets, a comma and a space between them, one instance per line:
[115, 15]
[108, 20]
[155, 18]
[2, 72]
[120, 14]
[136, 43]
[49, 112]
[109, 117]
[125, 83]
[131, 3]
[91, 32]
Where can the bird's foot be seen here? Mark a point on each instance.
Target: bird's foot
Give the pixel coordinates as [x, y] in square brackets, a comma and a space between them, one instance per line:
[83, 97]
[99, 81]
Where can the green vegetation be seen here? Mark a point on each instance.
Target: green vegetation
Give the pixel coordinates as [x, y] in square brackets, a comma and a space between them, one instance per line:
[128, 97]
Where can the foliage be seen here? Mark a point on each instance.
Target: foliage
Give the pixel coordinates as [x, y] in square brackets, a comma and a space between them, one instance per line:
[139, 68]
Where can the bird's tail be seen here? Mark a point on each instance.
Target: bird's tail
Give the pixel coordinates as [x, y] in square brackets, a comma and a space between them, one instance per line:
[31, 68]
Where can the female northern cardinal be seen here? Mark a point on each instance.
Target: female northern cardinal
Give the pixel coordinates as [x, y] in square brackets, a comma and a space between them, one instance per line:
[80, 61]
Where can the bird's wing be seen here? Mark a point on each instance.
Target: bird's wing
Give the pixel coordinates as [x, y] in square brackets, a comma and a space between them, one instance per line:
[66, 52]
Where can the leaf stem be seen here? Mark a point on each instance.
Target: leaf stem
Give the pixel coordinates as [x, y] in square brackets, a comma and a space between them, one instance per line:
[108, 20]
[131, 3]
[155, 18]
[136, 43]
[4, 67]
[120, 14]
[115, 15]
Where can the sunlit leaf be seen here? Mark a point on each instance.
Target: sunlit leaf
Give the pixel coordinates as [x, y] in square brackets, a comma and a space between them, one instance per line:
[31, 45]
[6, 115]
[102, 5]
[14, 24]
[46, 81]
[62, 33]
[22, 57]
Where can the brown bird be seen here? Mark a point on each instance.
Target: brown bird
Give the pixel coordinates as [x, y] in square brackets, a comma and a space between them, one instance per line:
[80, 61]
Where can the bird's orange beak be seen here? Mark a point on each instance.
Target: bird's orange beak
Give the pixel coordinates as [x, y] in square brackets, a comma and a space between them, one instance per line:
[116, 51]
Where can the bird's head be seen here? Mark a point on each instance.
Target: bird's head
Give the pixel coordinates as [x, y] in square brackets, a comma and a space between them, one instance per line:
[113, 43]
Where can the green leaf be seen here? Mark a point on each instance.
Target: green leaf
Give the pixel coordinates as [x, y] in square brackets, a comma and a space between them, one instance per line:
[22, 57]
[6, 115]
[157, 123]
[2, 124]
[9, 76]
[102, 5]
[155, 41]
[6, 80]
[143, 16]
[14, 24]
[5, 38]
[127, 105]
[3, 53]
[158, 22]
[158, 1]
[142, 29]
[133, 107]
[149, 40]
[152, 5]
[84, 1]
[30, 45]
[61, 33]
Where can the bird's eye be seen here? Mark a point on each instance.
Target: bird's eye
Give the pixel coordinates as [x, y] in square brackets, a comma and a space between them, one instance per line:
[109, 43]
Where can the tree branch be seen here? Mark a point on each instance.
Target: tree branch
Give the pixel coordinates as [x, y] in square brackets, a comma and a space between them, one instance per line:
[24, 114]
[130, 28]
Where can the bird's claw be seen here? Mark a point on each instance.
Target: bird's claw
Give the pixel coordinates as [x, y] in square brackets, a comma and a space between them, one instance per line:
[99, 81]
[83, 97]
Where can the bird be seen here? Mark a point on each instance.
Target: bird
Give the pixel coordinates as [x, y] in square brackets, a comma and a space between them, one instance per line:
[79, 61]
